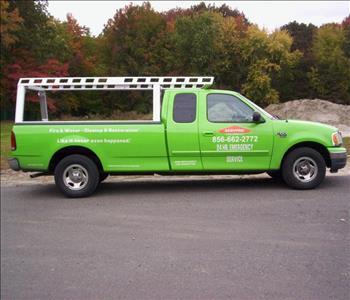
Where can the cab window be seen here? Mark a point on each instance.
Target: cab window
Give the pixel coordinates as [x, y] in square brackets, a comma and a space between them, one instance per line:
[185, 107]
[225, 108]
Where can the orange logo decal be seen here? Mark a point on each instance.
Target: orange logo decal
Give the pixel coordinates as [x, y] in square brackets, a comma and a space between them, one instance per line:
[234, 129]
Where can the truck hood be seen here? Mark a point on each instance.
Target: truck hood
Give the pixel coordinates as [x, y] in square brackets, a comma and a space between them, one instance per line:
[300, 131]
[310, 125]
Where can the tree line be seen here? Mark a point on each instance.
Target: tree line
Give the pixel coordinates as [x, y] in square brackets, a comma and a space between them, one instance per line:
[295, 61]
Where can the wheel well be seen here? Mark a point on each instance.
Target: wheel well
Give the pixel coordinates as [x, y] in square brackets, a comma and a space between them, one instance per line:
[60, 154]
[316, 146]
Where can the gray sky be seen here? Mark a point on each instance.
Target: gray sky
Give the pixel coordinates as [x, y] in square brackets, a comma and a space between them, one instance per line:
[268, 14]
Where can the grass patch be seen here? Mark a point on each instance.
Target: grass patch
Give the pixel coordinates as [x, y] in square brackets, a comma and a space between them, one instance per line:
[6, 127]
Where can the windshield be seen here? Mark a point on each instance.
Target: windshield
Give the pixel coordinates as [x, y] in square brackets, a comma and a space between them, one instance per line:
[259, 108]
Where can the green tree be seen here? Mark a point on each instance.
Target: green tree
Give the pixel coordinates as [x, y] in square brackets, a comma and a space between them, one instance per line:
[302, 35]
[281, 53]
[258, 86]
[330, 77]
[298, 86]
[346, 28]
[133, 40]
[270, 59]
[135, 43]
[230, 71]
[195, 44]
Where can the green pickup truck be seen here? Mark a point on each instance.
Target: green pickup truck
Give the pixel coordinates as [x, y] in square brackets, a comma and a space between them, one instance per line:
[195, 130]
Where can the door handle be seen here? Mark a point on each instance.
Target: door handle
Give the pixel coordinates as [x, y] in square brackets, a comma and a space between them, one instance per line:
[208, 133]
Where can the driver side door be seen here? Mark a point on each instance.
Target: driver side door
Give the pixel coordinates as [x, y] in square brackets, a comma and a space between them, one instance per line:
[229, 139]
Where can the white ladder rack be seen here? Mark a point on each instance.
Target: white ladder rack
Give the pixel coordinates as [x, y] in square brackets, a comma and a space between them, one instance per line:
[124, 83]
[104, 83]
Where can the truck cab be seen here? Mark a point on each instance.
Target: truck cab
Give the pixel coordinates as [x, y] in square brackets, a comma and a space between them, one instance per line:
[195, 130]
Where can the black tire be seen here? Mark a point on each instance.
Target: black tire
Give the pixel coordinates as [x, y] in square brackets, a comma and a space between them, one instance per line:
[275, 174]
[303, 168]
[77, 176]
[103, 176]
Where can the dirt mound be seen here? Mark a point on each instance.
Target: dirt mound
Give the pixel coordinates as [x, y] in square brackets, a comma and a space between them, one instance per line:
[314, 110]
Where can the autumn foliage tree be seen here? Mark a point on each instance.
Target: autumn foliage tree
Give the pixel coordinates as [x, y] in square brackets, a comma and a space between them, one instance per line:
[295, 61]
[30, 53]
[10, 24]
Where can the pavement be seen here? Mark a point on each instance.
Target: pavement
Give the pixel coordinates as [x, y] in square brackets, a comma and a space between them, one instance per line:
[223, 238]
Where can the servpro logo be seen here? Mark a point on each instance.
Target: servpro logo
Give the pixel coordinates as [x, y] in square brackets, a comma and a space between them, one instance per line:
[234, 129]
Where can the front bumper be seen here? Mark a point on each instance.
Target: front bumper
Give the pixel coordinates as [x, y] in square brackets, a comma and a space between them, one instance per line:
[14, 164]
[338, 160]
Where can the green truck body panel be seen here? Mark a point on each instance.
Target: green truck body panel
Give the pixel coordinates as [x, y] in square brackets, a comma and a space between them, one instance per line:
[169, 146]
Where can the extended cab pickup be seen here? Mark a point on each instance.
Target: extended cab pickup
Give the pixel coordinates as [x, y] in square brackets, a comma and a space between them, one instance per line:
[198, 131]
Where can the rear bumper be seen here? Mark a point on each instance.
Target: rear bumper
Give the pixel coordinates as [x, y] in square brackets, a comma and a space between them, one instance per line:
[338, 160]
[14, 164]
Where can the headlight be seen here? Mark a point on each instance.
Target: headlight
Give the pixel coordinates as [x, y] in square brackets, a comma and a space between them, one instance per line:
[337, 139]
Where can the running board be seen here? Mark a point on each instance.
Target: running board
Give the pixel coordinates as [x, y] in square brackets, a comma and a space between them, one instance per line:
[35, 175]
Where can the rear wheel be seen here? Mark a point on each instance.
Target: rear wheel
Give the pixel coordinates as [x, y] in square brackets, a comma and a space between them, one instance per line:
[77, 176]
[303, 168]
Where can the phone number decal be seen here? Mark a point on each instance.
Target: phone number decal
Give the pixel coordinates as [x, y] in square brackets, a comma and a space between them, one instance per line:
[235, 139]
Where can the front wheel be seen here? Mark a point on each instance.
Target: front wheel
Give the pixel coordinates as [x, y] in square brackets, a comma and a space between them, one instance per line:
[303, 168]
[77, 176]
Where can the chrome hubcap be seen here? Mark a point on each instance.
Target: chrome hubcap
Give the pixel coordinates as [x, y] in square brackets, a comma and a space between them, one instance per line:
[305, 169]
[75, 177]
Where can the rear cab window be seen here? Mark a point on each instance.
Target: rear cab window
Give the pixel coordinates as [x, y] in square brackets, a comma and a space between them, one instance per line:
[185, 108]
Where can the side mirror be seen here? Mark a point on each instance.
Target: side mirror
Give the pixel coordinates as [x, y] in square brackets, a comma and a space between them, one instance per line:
[256, 117]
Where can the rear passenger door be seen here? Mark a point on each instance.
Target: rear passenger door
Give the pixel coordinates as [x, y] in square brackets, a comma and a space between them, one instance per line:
[182, 131]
